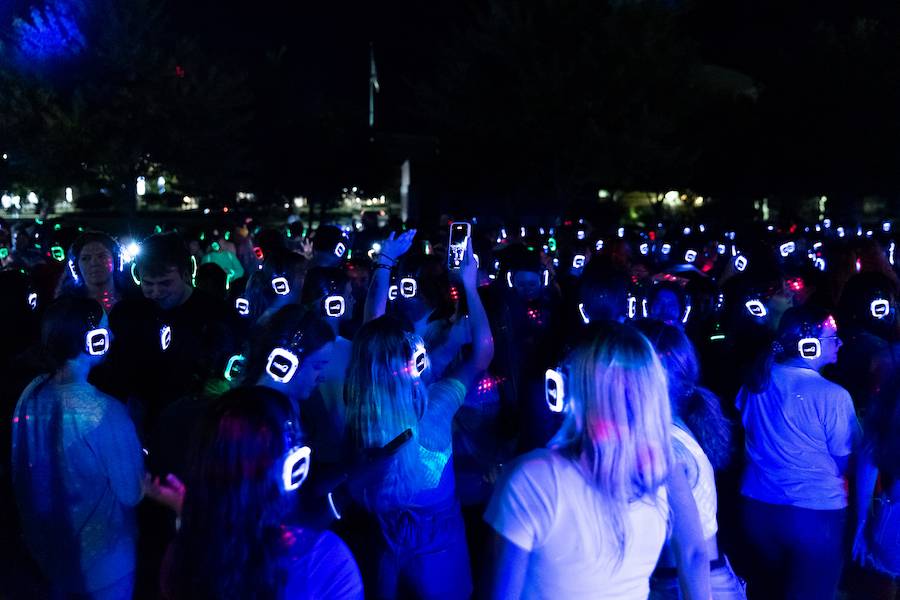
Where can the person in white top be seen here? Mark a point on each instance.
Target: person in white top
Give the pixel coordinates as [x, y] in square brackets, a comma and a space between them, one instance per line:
[587, 517]
[800, 431]
[701, 442]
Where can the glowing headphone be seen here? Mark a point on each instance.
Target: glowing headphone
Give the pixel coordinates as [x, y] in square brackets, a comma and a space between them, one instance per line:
[281, 286]
[408, 287]
[584, 316]
[787, 249]
[419, 361]
[242, 305]
[555, 390]
[296, 460]
[393, 292]
[756, 308]
[340, 249]
[165, 337]
[545, 276]
[96, 340]
[740, 263]
[137, 280]
[810, 346]
[880, 308]
[57, 253]
[578, 261]
[284, 361]
[690, 256]
[235, 367]
[33, 300]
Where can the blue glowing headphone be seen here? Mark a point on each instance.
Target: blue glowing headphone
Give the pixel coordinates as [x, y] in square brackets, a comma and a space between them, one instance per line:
[296, 460]
[96, 339]
[283, 361]
[419, 360]
[165, 337]
[555, 390]
[882, 309]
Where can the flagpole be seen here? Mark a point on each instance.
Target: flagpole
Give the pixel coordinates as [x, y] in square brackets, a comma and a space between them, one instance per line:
[373, 84]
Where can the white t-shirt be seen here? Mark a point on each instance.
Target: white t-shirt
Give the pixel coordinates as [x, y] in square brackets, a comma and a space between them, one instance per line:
[700, 475]
[544, 505]
[794, 431]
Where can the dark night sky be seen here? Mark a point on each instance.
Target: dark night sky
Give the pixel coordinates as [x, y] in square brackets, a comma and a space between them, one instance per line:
[824, 119]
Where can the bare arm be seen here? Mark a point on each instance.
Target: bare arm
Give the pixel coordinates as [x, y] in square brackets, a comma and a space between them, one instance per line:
[482, 338]
[508, 567]
[687, 538]
[391, 250]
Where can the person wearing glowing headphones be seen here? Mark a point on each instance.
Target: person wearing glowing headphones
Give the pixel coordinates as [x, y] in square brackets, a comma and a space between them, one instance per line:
[237, 538]
[421, 550]
[800, 431]
[328, 293]
[290, 354]
[77, 465]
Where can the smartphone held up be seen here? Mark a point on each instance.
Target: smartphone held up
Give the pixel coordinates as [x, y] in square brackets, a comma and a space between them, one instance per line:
[456, 250]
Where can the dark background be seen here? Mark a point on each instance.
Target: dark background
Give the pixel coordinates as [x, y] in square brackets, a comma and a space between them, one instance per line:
[498, 105]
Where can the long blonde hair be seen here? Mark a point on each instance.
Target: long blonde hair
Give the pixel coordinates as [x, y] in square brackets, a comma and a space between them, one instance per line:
[384, 398]
[618, 426]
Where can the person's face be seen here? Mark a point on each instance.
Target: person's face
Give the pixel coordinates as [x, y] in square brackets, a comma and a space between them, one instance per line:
[666, 308]
[168, 290]
[527, 284]
[831, 343]
[309, 372]
[95, 262]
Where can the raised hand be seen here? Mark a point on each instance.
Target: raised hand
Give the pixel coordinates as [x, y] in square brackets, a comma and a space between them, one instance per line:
[396, 246]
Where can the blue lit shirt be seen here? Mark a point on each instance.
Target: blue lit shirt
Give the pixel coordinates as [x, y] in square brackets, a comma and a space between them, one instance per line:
[77, 470]
[794, 432]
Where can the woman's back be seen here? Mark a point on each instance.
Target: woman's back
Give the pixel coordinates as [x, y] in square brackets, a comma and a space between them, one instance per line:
[544, 505]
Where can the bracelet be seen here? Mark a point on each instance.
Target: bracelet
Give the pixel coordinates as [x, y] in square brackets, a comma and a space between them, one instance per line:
[380, 266]
[390, 258]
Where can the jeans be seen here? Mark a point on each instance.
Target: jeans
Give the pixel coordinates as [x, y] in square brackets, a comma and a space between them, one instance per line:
[424, 554]
[795, 553]
[723, 581]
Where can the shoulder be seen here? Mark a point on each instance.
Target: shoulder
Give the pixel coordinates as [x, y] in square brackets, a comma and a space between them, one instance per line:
[321, 566]
[824, 389]
[448, 388]
[538, 467]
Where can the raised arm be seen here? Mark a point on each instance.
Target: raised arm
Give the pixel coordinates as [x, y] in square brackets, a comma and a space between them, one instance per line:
[391, 250]
[482, 339]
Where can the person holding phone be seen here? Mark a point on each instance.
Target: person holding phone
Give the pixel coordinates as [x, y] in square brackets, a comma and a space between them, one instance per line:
[422, 547]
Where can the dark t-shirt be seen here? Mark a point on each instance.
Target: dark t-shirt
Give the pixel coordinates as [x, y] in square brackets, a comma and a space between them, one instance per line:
[139, 369]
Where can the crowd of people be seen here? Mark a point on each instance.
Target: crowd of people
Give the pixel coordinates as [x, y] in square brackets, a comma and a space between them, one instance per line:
[567, 410]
